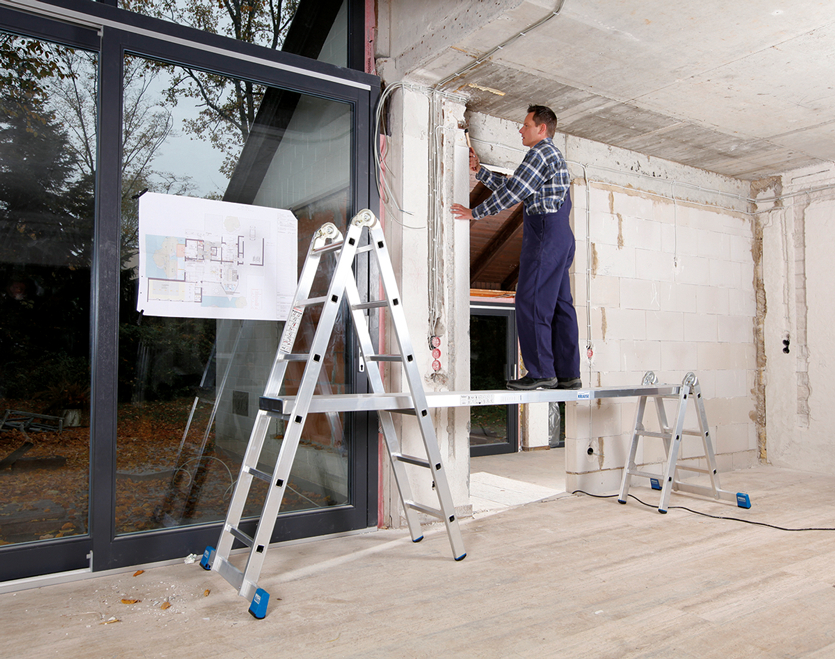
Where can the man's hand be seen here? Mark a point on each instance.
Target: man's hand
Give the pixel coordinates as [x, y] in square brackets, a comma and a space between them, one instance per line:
[475, 163]
[459, 212]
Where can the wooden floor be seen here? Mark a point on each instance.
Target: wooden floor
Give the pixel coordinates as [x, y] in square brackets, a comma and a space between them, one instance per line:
[567, 577]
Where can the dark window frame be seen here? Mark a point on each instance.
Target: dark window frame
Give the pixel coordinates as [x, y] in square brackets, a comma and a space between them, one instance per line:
[508, 311]
[123, 32]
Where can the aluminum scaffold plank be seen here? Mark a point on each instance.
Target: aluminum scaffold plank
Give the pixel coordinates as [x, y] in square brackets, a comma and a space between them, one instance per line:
[279, 405]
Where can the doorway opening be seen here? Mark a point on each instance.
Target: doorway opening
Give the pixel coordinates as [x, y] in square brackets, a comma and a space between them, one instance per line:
[494, 429]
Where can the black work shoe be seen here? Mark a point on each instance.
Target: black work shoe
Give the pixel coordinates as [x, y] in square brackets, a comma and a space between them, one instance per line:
[569, 383]
[528, 383]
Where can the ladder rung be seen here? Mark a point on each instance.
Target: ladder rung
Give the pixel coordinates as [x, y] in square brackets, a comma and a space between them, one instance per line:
[434, 512]
[296, 357]
[411, 460]
[333, 247]
[696, 433]
[309, 302]
[384, 358]
[263, 475]
[705, 491]
[376, 304]
[228, 571]
[645, 474]
[650, 433]
[240, 535]
[365, 249]
[697, 470]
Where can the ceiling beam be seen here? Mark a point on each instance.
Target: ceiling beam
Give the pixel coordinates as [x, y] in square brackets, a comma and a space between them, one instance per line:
[511, 280]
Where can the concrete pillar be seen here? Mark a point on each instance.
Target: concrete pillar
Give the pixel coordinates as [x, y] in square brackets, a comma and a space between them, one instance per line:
[430, 250]
[535, 432]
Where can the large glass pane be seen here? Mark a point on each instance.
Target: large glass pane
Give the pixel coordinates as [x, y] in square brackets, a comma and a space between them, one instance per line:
[189, 387]
[493, 429]
[263, 22]
[320, 30]
[488, 370]
[47, 158]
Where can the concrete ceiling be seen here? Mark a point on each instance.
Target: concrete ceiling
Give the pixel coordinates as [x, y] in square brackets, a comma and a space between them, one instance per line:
[744, 88]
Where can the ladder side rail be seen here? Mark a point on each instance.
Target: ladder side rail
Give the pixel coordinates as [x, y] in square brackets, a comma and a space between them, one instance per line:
[295, 425]
[242, 486]
[666, 433]
[386, 422]
[707, 491]
[675, 448]
[696, 391]
[630, 466]
[398, 319]
[273, 387]
[661, 413]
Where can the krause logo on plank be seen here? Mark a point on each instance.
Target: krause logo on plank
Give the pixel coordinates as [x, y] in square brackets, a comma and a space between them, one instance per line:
[583, 395]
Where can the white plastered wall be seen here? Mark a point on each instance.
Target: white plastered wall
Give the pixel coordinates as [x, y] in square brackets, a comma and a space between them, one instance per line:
[798, 231]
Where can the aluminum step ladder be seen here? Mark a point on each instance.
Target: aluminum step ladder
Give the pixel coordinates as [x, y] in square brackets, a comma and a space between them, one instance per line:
[672, 437]
[328, 239]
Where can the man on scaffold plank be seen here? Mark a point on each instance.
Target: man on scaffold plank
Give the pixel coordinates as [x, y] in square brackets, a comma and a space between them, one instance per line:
[546, 321]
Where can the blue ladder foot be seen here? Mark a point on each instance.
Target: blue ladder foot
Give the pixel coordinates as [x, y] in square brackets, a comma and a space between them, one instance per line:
[743, 500]
[206, 560]
[258, 608]
[418, 539]
[655, 483]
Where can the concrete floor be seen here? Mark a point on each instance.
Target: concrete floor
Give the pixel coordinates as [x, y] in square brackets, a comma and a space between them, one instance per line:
[498, 482]
[570, 576]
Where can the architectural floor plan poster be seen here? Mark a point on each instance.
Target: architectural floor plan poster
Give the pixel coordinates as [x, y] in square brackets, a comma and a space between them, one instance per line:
[200, 258]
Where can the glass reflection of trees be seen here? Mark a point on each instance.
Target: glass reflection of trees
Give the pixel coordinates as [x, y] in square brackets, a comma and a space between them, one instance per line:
[47, 206]
[228, 106]
[46, 228]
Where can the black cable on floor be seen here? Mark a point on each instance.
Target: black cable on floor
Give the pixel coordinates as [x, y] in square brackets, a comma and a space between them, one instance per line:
[697, 512]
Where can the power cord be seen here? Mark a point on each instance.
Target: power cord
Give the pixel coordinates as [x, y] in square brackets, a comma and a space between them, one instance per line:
[697, 512]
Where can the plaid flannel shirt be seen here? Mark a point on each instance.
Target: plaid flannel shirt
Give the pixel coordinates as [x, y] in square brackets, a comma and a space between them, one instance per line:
[540, 182]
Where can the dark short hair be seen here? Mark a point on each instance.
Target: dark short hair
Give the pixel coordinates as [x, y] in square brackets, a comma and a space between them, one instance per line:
[544, 115]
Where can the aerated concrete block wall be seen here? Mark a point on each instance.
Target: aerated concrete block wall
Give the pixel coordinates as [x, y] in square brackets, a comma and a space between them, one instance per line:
[671, 291]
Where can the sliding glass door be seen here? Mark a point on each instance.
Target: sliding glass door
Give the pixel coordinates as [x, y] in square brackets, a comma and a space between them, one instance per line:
[47, 212]
[122, 432]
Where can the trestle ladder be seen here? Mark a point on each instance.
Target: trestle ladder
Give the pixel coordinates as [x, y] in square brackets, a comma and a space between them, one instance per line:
[672, 436]
[328, 239]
